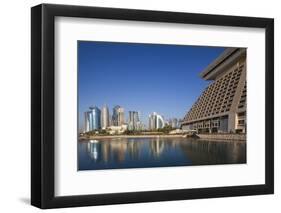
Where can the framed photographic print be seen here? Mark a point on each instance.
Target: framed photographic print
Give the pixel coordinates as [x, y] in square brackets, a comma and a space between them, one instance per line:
[139, 106]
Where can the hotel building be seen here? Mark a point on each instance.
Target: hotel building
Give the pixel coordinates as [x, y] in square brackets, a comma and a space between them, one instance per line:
[222, 105]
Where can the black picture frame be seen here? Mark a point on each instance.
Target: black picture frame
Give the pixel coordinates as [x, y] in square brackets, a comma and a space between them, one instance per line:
[43, 102]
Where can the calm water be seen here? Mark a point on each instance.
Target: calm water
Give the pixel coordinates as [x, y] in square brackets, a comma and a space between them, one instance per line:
[157, 152]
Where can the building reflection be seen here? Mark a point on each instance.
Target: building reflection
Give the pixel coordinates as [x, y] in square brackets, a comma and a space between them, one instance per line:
[209, 152]
[94, 150]
[149, 150]
[157, 147]
[115, 150]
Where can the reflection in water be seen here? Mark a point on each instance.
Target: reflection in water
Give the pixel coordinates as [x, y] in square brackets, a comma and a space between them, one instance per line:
[157, 152]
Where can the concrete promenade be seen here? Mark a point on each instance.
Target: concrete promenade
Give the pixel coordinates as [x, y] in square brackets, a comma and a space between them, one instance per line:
[235, 137]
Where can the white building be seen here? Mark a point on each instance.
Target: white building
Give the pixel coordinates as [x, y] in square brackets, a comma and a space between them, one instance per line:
[117, 129]
[155, 121]
[104, 117]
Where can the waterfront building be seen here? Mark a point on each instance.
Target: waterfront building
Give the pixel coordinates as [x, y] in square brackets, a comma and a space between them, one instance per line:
[174, 123]
[86, 122]
[94, 118]
[121, 116]
[104, 117]
[115, 115]
[117, 129]
[155, 121]
[134, 121]
[222, 105]
[140, 126]
[118, 116]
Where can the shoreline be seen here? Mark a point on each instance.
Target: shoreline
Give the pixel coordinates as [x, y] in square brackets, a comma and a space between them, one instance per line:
[133, 136]
[217, 138]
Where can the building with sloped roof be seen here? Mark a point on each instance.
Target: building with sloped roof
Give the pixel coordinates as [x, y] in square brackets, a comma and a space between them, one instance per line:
[222, 105]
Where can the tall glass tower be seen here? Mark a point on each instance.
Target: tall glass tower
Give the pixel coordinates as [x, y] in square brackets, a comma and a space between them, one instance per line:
[94, 118]
[118, 116]
[115, 115]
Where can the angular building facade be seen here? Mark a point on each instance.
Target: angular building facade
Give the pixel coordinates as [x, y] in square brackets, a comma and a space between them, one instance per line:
[222, 105]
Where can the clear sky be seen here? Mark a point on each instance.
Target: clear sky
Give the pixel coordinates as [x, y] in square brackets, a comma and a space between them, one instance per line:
[141, 77]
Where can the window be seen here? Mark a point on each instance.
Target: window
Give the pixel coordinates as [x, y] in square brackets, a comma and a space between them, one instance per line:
[241, 122]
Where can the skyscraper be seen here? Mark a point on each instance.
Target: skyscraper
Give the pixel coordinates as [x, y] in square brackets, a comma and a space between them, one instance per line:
[118, 116]
[115, 115]
[86, 122]
[173, 122]
[94, 118]
[155, 121]
[134, 120]
[104, 117]
[121, 116]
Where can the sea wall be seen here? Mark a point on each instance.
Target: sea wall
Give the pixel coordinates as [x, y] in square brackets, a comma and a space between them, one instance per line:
[131, 136]
[239, 137]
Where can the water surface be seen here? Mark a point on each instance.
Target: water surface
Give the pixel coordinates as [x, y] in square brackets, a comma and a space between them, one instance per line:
[114, 153]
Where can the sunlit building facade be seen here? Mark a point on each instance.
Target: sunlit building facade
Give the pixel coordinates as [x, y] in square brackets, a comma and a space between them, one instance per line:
[174, 123]
[104, 117]
[94, 118]
[133, 121]
[86, 122]
[121, 116]
[115, 115]
[155, 121]
[118, 116]
[222, 105]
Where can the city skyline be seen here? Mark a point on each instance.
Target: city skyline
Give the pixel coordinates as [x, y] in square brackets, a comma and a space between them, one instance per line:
[141, 77]
[193, 115]
[100, 118]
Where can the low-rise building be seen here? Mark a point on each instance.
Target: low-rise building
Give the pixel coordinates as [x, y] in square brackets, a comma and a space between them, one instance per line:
[117, 129]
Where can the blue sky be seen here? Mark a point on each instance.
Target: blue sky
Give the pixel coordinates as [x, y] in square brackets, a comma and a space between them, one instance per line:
[141, 77]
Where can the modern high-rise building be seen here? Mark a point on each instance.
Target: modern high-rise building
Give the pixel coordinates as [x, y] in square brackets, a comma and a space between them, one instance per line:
[155, 121]
[104, 117]
[222, 105]
[94, 118]
[121, 116]
[118, 116]
[134, 121]
[86, 122]
[115, 115]
[174, 123]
